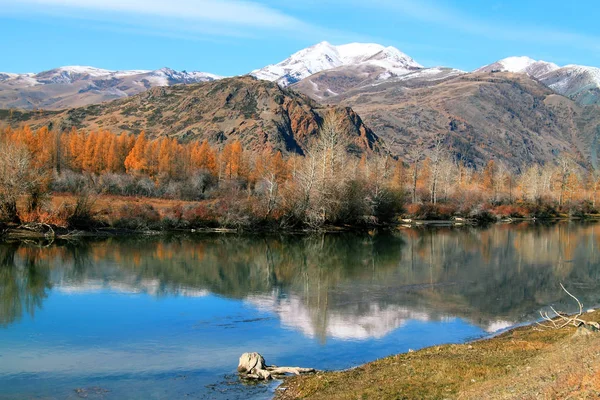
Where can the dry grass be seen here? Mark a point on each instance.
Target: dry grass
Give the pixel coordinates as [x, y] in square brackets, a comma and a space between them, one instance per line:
[105, 203]
[522, 364]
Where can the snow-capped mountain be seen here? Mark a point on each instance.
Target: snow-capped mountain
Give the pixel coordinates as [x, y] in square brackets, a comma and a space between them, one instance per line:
[578, 82]
[73, 86]
[71, 74]
[325, 56]
[521, 65]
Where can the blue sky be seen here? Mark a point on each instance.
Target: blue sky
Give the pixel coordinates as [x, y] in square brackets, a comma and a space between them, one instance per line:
[230, 37]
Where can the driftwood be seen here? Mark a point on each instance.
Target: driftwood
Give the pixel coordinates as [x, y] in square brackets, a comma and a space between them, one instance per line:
[253, 366]
[39, 227]
[561, 320]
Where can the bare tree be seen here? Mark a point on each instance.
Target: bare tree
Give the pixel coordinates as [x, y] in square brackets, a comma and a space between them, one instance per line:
[448, 176]
[17, 178]
[530, 182]
[415, 156]
[566, 167]
[329, 151]
[437, 154]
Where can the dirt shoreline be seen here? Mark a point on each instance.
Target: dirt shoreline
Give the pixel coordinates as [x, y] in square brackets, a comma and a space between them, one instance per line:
[522, 363]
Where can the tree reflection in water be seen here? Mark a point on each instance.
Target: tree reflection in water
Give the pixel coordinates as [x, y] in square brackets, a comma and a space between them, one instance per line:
[24, 282]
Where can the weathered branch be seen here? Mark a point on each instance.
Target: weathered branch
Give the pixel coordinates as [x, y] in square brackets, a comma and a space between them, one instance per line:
[253, 366]
[567, 320]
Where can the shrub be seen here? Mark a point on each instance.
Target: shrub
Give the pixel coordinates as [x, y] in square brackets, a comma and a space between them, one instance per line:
[509, 211]
[388, 204]
[199, 215]
[69, 182]
[137, 217]
[430, 211]
[81, 215]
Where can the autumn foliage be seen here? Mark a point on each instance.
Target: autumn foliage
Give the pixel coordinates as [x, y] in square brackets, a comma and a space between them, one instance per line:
[326, 185]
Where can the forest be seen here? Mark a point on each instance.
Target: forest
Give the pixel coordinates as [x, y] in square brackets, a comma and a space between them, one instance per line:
[230, 187]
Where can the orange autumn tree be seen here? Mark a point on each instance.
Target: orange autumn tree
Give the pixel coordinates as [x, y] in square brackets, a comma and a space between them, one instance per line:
[204, 158]
[136, 161]
[231, 160]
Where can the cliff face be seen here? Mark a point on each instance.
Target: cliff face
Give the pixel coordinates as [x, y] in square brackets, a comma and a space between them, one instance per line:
[258, 113]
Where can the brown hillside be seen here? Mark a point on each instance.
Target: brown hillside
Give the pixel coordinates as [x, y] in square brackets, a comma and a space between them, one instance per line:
[506, 117]
[258, 113]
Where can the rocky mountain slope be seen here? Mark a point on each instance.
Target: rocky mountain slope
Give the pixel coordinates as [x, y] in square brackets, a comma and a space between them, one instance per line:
[258, 113]
[387, 61]
[77, 86]
[503, 116]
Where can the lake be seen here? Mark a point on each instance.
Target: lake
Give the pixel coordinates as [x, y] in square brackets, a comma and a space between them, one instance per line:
[166, 317]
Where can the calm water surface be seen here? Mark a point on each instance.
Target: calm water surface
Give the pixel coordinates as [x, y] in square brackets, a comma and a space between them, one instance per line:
[168, 317]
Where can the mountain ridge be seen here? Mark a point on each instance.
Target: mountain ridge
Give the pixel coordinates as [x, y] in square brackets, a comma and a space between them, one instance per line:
[363, 63]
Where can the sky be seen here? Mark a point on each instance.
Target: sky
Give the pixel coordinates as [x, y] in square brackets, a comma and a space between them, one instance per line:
[232, 37]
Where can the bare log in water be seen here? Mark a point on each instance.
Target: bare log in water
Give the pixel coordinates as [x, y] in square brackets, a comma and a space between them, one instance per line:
[253, 366]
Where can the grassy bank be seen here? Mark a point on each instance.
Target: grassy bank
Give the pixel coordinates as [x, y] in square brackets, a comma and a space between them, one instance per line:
[524, 363]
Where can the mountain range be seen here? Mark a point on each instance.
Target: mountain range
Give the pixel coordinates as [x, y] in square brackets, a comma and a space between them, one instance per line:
[516, 110]
[347, 66]
[74, 86]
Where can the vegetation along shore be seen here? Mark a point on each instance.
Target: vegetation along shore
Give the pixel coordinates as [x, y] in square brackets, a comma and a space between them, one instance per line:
[78, 180]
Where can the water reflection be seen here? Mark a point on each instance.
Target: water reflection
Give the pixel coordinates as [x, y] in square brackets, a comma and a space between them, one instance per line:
[329, 286]
[24, 281]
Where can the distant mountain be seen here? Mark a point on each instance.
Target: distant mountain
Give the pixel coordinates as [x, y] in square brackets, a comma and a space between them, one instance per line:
[506, 117]
[73, 86]
[337, 83]
[520, 65]
[389, 61]
[258, 113]
[578, 82]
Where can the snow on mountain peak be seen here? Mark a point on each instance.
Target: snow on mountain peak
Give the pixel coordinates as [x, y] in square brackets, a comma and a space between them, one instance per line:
[521, 65]
[324, 56]
[516, 64]
[354, 53]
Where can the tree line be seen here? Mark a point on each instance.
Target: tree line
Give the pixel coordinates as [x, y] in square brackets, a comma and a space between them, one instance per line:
[239, 187]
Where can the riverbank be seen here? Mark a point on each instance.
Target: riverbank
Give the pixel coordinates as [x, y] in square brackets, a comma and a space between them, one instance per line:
[68, 216]
[44, 231]
[523, 363]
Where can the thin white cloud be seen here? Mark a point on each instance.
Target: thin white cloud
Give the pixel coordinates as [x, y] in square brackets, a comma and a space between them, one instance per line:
[226, 11]
[222, 18]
